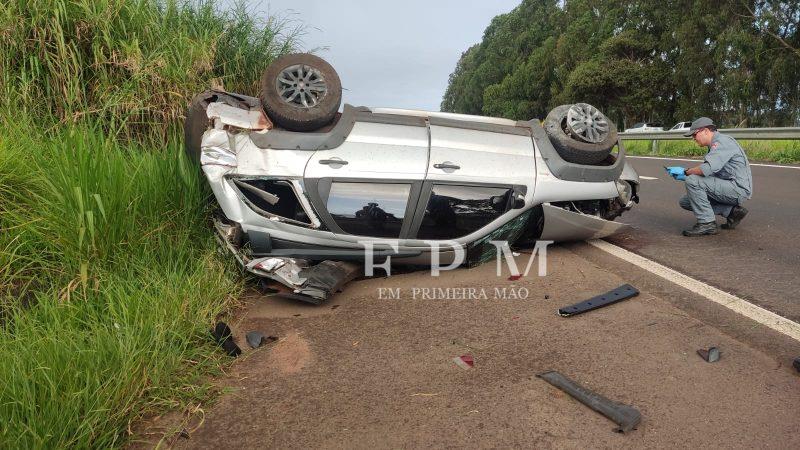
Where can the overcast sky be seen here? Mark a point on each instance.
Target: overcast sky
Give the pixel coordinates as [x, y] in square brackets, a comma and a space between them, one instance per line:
[395, 54]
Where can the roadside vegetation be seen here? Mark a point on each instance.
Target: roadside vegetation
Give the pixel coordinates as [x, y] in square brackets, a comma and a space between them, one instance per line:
[779, 151]
[737, 62]
[109, 276]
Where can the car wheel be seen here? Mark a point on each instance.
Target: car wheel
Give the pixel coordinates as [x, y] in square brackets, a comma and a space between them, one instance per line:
[300, 92]
[580, 133]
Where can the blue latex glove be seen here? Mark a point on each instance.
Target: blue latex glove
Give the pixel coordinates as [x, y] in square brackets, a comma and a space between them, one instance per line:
[677, 172]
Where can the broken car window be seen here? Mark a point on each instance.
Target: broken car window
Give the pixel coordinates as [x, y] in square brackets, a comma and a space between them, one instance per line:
[455, 211]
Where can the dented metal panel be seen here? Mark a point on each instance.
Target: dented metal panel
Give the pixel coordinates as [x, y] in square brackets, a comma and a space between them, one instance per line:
[561, 225]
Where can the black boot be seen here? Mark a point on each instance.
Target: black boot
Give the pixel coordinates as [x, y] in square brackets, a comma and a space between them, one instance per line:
[736, 216]
[701, 229]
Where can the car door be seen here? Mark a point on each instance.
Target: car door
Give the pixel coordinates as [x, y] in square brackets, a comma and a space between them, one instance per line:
[369, 185]
[477, 174]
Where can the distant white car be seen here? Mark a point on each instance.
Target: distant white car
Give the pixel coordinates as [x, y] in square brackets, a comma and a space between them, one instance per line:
[681, 126]
[642, 127]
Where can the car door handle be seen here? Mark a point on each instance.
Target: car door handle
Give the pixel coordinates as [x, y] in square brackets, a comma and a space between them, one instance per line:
[333, 162]
[446, 165]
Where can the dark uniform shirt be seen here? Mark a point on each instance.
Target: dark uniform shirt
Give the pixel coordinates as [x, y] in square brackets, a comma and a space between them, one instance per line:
[726, 159]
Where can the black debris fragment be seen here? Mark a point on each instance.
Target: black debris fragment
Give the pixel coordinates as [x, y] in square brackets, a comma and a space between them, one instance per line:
[325, 279]
[627, 417]
[256, 339]
[265, 286]
[613, 296]
[222, 334]
[711, 355]
[796, 364]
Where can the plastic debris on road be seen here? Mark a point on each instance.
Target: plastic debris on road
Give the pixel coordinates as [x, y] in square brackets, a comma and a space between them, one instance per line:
[464, 361]
[222, 334]
[711, 355]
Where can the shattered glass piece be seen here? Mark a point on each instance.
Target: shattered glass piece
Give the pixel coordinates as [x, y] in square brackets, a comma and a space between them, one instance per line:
[482, 250]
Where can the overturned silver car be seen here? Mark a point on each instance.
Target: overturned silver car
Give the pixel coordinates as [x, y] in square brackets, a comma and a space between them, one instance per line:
[299, 207]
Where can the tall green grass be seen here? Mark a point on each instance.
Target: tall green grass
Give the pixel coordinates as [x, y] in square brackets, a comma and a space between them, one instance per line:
[109, 274]
[111, 284]
[135, 63]
[780, 151]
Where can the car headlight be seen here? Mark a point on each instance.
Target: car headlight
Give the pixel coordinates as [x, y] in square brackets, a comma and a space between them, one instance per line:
[625, 192]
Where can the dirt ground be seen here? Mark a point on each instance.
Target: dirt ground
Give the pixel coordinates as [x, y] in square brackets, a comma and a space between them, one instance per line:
[365, 372]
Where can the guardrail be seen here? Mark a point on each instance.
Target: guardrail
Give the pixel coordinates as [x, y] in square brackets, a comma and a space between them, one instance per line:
[736, 133]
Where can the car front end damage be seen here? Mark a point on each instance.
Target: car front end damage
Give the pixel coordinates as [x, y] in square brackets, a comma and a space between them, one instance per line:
[273, 220]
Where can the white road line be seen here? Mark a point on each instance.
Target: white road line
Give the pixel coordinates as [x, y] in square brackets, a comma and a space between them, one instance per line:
[730, 301]
[647, 178]
[698, 160]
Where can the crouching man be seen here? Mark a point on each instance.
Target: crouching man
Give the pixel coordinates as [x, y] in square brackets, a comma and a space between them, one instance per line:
[717, 186]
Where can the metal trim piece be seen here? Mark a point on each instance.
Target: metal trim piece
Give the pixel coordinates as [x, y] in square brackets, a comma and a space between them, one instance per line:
[623, 292]
[321, 253]
[481, 126]
[391, 119]
[627, 417]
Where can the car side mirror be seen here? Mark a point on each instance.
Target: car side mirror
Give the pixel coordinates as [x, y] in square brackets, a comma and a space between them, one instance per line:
[519, 201]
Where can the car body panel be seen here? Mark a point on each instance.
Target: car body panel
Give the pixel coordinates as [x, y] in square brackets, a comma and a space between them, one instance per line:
[482, 157]
[375, 151]
[561, 225]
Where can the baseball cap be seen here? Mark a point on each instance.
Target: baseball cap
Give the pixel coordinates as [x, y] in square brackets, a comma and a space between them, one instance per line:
[702, 122]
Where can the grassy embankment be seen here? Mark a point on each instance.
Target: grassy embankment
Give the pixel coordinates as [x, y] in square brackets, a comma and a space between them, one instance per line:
[779, 151]
[109, 279]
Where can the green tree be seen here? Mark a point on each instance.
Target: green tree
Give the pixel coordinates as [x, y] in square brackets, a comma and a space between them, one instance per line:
[665, 61]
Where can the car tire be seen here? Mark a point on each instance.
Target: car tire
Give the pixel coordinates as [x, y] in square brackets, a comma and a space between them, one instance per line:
[300, 92]
[570, 147]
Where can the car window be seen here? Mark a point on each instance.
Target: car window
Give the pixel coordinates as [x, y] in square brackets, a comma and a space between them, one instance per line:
[455, 211]
[638, 125]
[369, 209]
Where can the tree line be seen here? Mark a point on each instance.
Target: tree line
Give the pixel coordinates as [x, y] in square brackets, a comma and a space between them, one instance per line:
[650, 60]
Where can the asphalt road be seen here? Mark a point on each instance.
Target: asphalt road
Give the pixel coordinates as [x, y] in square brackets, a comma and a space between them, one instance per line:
[759, 261]
[366, 371]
